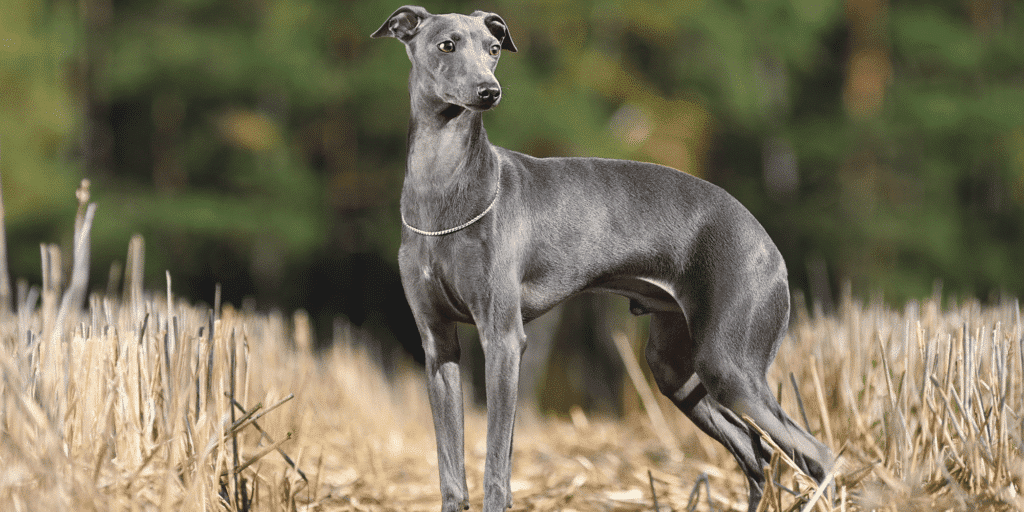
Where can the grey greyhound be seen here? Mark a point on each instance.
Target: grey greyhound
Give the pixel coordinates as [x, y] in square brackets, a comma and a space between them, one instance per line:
[496, 238]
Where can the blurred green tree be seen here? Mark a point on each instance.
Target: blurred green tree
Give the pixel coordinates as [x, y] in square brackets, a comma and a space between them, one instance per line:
[261, 143]
[40, 122]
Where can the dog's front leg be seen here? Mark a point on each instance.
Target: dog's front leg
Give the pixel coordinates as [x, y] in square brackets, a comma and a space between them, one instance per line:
[444, 384]
[504, 343]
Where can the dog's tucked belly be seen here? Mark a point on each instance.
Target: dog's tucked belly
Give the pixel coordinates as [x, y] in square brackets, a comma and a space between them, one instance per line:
[645, 295]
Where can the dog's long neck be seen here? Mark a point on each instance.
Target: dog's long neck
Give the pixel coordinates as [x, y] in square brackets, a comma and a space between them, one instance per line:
[451, 170]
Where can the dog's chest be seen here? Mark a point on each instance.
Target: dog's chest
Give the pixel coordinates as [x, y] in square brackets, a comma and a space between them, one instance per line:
[442, 274]
[424, 264]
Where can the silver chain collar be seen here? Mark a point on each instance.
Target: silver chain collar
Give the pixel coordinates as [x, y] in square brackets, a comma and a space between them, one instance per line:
[468, 223]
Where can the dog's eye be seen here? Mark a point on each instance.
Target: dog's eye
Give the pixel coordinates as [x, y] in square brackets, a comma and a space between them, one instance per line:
[446, 47]
[495, 49]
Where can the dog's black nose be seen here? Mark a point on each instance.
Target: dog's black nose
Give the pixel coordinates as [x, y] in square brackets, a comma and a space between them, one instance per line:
[489, 93]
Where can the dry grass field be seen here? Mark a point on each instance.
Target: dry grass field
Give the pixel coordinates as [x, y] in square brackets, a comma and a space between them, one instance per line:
[146, 402]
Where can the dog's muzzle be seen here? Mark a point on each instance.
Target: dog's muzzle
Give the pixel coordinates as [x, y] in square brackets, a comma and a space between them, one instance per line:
[487, 97]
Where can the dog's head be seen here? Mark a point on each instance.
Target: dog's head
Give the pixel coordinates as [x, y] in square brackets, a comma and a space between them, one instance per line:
[453, 56]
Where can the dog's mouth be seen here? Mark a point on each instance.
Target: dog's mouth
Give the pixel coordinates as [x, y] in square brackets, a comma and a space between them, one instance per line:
[452, 111]
[483, 105]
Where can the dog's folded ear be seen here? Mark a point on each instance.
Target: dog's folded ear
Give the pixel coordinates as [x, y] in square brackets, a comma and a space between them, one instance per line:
[498, 28]
[403, 24]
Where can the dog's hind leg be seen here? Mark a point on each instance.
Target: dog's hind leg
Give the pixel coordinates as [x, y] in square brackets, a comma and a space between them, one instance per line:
[732, 356]
[715, 382]
[670, 356]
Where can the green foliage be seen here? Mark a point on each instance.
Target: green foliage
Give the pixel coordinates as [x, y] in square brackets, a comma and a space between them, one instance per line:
[882, 141]
[40, 119]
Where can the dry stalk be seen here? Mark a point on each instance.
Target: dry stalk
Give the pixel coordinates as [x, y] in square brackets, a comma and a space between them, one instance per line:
[654, 412]
[5, 277]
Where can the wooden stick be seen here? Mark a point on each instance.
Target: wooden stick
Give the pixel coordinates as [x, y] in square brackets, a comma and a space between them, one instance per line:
[822, 408]
[799, 401]
[5, 277]
[661, 428]
[654, 495]
[261, 454]
[267, 436]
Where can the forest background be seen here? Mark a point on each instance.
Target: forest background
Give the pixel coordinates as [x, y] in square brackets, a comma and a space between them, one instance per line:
[260, 144]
